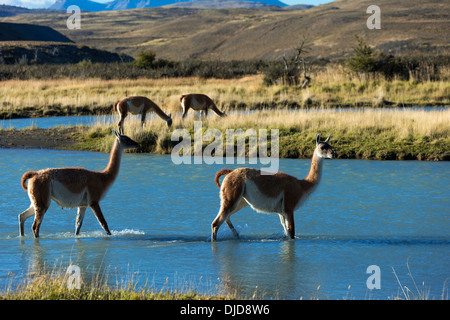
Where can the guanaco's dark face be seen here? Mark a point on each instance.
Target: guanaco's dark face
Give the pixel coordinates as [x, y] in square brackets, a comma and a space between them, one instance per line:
[323, 149]
[125, 141]
[169, 121]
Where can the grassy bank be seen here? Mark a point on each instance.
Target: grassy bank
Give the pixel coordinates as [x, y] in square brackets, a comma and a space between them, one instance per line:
[56, 284]
[379, 134]
[330, 87]
[298, 114]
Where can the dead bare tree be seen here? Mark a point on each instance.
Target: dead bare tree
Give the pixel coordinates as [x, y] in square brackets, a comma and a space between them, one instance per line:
[290, 71]
[307, 78]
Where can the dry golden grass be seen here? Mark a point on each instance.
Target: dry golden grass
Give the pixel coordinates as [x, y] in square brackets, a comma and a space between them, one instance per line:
[332, 86]
[378, 133]
[366, 134]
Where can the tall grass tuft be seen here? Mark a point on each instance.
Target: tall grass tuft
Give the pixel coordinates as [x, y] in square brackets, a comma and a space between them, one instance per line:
[331, 86]
[51, 283]
[382, 134]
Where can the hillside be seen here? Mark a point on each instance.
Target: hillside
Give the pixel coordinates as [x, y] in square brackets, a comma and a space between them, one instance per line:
[242, 34]
[29, 43]
[38, 52]
[219, 4]
[29, 32]
[137, 4]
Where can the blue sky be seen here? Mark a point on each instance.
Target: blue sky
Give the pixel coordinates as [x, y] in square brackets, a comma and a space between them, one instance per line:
[47, 3]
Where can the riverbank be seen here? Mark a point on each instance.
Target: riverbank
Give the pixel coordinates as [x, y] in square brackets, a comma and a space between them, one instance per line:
[381, 134]
[35, 138]
[56, 285]
[59, 284]
[330, 88]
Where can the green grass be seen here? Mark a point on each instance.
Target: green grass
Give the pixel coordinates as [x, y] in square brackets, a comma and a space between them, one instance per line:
[52, 284]
[372, 135]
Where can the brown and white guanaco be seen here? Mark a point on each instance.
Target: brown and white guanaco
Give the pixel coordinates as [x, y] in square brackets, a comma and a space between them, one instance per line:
[138, 105]
[199, 102]
[72, 187]
[280, 193]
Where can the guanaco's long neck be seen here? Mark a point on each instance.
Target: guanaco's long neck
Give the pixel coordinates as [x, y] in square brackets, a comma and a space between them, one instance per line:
[315, 173]
[159, 112]
[112, 169]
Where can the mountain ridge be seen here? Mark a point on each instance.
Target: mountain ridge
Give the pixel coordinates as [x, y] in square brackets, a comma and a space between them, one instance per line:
[88, 5]
[30, 32]
[265, 33]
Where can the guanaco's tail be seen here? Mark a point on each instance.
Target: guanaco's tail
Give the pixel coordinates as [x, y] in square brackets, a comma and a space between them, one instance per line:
[182, 97]
[219, 174]
[25, 177]
[115, 106]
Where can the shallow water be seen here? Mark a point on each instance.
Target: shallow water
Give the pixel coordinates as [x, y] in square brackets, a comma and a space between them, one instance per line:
[51, 122]
[389, 214]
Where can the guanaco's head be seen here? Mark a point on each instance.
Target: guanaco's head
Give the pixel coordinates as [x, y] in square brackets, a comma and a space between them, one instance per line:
[124, 141]
[169, 121]
[323, 149]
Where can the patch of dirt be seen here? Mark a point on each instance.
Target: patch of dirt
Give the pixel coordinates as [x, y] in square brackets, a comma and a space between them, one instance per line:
[38, 138]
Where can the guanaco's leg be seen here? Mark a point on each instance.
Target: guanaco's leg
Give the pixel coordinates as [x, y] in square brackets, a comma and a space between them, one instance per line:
[222, 216]
[39, 193]
[284, 224]
[143, 115]
[122, 116]
[24, 216]
[231, 203]
[290, 224]
[241, 205]
[38, 217]
[80, 217]
[99, 215]
[120, 124]
[185, 109]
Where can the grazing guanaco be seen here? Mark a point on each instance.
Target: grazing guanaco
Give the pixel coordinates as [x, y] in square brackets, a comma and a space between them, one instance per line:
[72, 187]
[280, 193]
[199, 102]
[138, 105]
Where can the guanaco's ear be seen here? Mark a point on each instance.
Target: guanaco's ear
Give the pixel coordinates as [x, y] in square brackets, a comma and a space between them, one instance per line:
[318, 138]
[116, 133]
[170, 115]
[328, 139]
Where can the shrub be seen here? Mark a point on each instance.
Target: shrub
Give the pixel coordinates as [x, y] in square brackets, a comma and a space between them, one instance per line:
[365, 60]
[145, 60]
[369, 61]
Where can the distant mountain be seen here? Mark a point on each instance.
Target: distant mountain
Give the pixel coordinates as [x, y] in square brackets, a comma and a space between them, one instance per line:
[220, 4]
[299, 7]
[10, 11]
[247, 34]
[83, 4]
[132, 4]
[88, 5]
